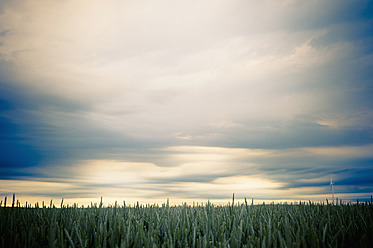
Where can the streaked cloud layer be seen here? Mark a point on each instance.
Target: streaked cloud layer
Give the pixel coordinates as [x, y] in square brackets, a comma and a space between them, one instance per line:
[186, 100]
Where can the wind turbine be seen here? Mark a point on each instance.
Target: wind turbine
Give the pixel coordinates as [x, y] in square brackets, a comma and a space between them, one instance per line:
[332, 187]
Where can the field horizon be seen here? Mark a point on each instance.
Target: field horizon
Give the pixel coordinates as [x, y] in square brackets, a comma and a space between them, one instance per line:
[14, 201]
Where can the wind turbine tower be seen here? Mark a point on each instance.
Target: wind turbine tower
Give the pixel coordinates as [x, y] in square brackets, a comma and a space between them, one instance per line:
[332, 187]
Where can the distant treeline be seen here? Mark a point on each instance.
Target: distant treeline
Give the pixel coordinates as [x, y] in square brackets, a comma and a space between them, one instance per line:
[207, 225]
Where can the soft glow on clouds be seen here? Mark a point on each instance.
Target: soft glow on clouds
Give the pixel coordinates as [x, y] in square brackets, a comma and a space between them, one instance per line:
[242, 184]
[197, 173]
[344, 152]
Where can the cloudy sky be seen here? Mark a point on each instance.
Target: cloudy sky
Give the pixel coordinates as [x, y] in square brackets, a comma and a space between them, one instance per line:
[187, 100]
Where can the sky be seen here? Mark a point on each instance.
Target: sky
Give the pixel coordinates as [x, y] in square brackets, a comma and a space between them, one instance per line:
[186, 100]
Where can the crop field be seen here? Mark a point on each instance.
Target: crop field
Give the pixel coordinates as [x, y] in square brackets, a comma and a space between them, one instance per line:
[203, 225]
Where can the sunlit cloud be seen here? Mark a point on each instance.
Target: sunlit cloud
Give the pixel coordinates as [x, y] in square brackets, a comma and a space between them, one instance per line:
[196, 173]
[344, 152]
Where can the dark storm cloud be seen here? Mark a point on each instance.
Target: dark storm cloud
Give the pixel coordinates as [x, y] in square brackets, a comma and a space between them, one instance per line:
[322, 14]
[15, 150]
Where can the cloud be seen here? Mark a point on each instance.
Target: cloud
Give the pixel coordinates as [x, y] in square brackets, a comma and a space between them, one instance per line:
[192, 173]
[209, 91]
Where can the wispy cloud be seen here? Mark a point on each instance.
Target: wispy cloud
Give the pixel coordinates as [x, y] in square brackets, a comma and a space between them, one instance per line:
[189, 173]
